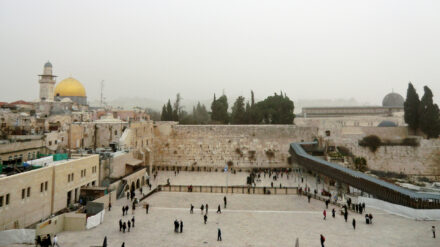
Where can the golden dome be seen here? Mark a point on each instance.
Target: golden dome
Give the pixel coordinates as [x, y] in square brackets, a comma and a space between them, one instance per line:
[70, 87]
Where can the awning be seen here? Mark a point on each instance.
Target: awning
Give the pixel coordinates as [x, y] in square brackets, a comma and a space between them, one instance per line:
[134, 162]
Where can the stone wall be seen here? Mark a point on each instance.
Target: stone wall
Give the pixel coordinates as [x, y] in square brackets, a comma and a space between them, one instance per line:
[216, 145]
[421, 160]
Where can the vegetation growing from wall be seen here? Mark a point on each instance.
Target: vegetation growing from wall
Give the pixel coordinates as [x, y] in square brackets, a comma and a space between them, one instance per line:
[373, 142]
[360, 164]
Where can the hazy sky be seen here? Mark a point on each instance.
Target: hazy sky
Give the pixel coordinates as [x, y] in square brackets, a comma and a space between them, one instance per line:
[155, 49]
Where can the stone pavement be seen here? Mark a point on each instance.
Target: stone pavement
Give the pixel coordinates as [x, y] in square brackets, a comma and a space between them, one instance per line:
[250, 220]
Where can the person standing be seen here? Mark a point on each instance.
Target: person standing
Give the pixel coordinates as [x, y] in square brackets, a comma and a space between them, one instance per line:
[132, 221]
[219, 235]
[333, 213]
[129, 225]
[123, 211]
[109, 206]
[354, 224]
[433, 231]
[124, 226]
[123, 244]
[176, 225]
[345, 215]
[219, 211]
[325, 214]
[191, 210]
[326, 203]
[206, 208]
[181, 226]
[224, 200]
[322, 240]
[201, 208]
[55, 241]
[120, 225]
[205, 218]
[309, 196]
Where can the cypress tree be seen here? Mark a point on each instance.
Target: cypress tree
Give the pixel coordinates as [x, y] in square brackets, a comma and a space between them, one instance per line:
[238, 115]
[411, 107]
[429, 115]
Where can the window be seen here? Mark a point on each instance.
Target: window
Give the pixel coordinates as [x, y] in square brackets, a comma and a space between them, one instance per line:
[116, 132]
[85, 170]
[28, 191]
[56, 142]
[72, 177]
[23, 193]
[50, 143]
[45, 186]
[1, 201]
[41, 187]
[7, 199]
[68, 178]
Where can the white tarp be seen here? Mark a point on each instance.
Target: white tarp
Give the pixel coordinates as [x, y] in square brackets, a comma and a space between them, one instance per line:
[418, 214]
[17, 236]
[42, 161]
[95, 220]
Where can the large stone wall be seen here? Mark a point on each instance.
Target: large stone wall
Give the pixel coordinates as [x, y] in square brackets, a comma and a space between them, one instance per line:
[421, 160]
[215, 145]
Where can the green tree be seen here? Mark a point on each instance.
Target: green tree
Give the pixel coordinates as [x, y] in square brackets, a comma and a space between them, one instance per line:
[276, 109]
[164, 113]
[177, 108]
[411, 107]
[219, 108]
[169, 112]
[429, 115]
[238, 115]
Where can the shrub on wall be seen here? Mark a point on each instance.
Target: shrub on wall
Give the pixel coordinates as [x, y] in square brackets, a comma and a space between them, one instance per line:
[360, 164]
[373, 142]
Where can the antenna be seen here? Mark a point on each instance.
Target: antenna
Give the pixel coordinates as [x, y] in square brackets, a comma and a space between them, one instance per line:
[102, 93]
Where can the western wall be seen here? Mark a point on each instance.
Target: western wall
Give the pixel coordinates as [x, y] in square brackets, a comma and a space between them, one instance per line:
[242, 146]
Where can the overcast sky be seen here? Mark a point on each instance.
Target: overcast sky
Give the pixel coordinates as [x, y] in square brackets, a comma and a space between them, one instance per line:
[155, 49]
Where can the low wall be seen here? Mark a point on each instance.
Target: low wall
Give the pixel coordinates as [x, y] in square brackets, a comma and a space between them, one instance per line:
[231, 189]
[17, 236]
[417, 214]
[64, 222]
[110, 197]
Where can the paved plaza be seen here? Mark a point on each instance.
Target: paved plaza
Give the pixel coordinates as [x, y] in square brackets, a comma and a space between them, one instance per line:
[249, 220]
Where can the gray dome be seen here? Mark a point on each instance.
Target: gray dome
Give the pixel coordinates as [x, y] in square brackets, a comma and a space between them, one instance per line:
[393, 100]
[386, 123]
[48, 64]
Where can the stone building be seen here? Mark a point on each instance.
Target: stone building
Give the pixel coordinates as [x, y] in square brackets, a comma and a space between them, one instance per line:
[47, 82]
[28, 197]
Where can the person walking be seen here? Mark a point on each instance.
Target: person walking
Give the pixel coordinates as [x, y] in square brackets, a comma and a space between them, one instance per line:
[326, 203]
[109, 206]
[219, 211]
[225, 202]
[128, 225]
[132, 221]
[123, 211]
[333, 213]
[433, 231]
[322, 238]
[120, 225]
[123, 244]
[219, 235]
[325, 214]
[181, 226]
[205, 218]
[55, 241]
[191, 210]
[354, 224]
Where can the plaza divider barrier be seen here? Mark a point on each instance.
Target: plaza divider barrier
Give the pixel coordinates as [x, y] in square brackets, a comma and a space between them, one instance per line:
[231, 189]
[417, 214]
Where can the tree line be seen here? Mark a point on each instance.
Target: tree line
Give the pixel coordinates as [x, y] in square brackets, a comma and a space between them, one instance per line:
[275, 109]
[422, 114]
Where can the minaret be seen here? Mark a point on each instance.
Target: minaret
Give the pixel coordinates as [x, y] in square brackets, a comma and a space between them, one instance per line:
[47, 82]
